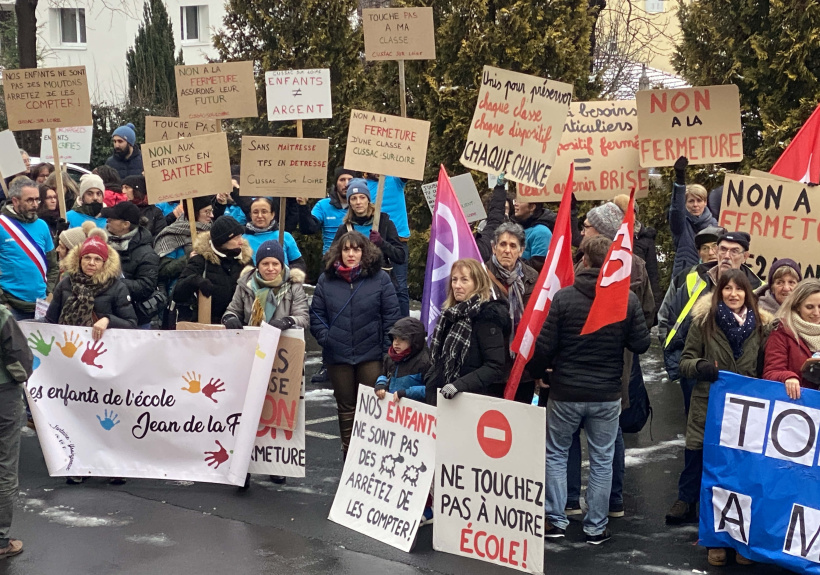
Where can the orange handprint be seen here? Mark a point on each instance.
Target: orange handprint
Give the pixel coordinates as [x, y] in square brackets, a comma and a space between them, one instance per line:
[92, 352]
[216, 457]
[212, 388]
[192, 379]
[71, 345]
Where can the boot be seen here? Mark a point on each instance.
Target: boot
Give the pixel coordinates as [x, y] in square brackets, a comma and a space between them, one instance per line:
[716, 556]
[346, 419]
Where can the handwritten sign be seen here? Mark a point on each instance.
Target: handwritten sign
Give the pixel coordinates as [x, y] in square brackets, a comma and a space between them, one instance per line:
[74, 144]
[160, 128]
[187, 168]
[466, 192]
[398, 34]
[218, 91]
[284, 387]
[779, 217]
[47, 98]
[388, 470]
[11, 162]
[516, 127]
[700, 123]
[284, 167]
[298, 94]
[389, 145]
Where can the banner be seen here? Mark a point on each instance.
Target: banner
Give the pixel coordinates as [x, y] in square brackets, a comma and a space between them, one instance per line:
[11, 161]
[517, 126]
[74, 145]
[761, 486]
[489, 491]
[218, 90]
[388, 470]
[398, 34]
[467, 194]
[161, 128]
[298, 94]
[101, 409]
[47, 98]
[389, 145]
[778, 214]
[801, 159]
[289, 167]
[700, 123]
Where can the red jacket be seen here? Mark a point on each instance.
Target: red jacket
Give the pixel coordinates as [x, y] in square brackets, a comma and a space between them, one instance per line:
[785, 357]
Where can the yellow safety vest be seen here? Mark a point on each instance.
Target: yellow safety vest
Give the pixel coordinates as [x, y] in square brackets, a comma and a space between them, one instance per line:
[694, 286]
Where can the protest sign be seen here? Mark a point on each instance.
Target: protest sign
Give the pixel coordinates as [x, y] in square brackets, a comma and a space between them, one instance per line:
[517, 125]
[284, 167]
[282, 400]
[298, 94]
[761, 174]
[778, 215]
[761, 487]
[701, 123]
[467, 194]
[601, 140]
[47, 98]
[188, 414]
[218, 90]
[398, 34]
[73, 144]
[161, 128]
[388, 145]
[186, 168]
[489, 492]
[11, 162]
[388, 470]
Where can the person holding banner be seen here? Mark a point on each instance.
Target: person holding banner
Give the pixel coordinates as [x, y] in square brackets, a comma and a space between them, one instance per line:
[354, 306]
[134, 189]
[263, 226]
[328, 213]
[406, 363]
[784, 275]
[688, 215]
[91, 203]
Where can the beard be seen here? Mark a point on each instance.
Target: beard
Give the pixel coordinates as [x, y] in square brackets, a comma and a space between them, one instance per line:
[27, 216]
[122, 154]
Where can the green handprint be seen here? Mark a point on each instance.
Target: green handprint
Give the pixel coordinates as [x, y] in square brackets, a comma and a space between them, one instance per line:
[71, 345]
[38, 344]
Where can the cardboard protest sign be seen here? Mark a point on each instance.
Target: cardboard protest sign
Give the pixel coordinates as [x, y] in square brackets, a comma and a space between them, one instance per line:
[701, 123]
[219, 91]
[161, 128]
[285, 384]
[398, 34]
[388, 145]
[485, 445]
[188, 414]
[284, 167]
[517, 125]
[388, 470]
[186, 168]
[74, 145]
[779, 217]
[47, 98]
[298, 94]
[761, 174]
[11, 162]
[467, 193]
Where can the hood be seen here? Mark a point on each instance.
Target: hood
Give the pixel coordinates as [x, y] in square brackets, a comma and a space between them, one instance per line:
[585, 281]
[412, 330]
[701, 310]
[546, 219]
[8, 211]
[646, 232]
[111, 269]
[497, 311]
[334, 197]
[202, 246]
[297, 276]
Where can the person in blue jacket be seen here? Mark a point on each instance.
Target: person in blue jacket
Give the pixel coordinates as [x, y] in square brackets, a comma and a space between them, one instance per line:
[264, 226]
[688, 215]
[406, 363]
[328, 213]
[91, 198]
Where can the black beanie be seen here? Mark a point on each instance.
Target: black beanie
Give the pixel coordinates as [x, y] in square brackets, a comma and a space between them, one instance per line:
[223, 229]
[199, 203]
[339, 171]
[136, 183]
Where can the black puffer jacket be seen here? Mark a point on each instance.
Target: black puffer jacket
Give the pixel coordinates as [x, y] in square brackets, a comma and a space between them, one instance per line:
[155, 220]
[586, 367]
[645, 248]
[140, 270]
[487, 365]
[130, 167]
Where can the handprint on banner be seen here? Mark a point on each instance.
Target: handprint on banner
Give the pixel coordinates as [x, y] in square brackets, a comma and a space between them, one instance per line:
[259, 353]
[38, 344]
[110, 420]
[216, 457]
[263, 430]
[92, 352]
[71, 345]
[212, 388]
[193, 381]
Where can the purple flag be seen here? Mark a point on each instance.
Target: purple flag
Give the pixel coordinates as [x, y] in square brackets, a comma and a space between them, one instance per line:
[450, 239]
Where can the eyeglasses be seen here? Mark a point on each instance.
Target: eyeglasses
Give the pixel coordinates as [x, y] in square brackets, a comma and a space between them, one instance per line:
[710, 247]
[587, 225]
[734, 252]
[31, 201]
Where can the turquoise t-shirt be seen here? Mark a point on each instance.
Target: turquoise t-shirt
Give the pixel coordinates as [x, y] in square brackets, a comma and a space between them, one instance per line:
[76, 219]
[236, 213]
[291, 249]
[331, 218]
[19, 275]
[392, 202]
[538, 241]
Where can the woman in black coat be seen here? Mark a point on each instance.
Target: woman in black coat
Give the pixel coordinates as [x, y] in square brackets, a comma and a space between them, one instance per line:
[354, 306]
[134, 189]
[470, 347]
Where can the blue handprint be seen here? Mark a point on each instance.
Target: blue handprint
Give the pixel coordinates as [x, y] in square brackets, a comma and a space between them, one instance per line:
[109, 421]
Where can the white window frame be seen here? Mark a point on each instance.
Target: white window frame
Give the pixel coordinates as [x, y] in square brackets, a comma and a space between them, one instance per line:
[655, 6]
[183, 19]
[80, 32]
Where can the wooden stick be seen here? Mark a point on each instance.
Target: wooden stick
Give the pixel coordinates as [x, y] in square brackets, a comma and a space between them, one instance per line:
[60, 189]
[5, 187]
[402, 90]
[192, 219]
[379, 196]
[283, 204]
[300, 133]
[203, 303]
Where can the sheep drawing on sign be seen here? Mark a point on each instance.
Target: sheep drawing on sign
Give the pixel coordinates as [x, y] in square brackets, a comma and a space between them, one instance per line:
[388, 465]
[411, 474]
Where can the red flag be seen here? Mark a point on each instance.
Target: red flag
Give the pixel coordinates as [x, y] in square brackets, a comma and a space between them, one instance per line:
[556, 274]
[612, 290]
[800, 160]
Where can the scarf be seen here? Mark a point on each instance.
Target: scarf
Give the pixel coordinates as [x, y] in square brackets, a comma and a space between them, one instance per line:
[807, 331]
[399, 357]
[87, 210]
[263, 306]
[700, 222]
[348, 274]
[514, 280]
[737, 333]
[176, 236]
[253, 230]
[452, 333]
[120, 243]
[79, 308]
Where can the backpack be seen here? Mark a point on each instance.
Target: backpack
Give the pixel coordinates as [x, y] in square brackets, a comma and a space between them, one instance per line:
[634, 418]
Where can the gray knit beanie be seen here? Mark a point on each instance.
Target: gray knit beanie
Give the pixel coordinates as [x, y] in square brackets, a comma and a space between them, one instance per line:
[606, 219]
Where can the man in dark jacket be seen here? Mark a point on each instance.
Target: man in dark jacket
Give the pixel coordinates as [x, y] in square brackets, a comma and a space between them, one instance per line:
[585, 388]
[127, 157]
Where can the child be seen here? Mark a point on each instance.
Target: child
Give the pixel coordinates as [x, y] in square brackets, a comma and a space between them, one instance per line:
[407, 362]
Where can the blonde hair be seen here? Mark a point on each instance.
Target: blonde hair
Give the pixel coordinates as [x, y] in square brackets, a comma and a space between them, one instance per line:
[371, 211]
[479, 276]
[808, 287]
[698, 191]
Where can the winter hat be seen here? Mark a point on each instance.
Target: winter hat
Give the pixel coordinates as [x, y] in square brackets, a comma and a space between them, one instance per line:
[199, 203]
[708, 235]
[358, 186]
[337, 173]
[127, 133]
[606, 219]
[125, 211]
[223, 229]
[622, 201]
[95, 245]
[73, 237]
[136, 183]
[270, 249]
[741, 238]
[784, 262]
[90, 181]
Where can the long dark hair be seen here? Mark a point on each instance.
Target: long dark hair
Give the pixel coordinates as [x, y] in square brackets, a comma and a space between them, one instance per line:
[740, 280]
[371, 255]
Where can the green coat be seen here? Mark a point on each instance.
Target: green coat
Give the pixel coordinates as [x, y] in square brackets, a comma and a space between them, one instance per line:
[15, 356]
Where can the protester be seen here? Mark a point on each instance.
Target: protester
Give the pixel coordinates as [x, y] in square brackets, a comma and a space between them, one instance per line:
[172, 210]
[406, 362]
[535, 220]
[328, 213]
[41, 172]
[113, 193]
[688, 215]
[263, 226]
[354, 306]
[795, 338]
[71, 238]
[49, 212]
[784, 275]
[27, 256]
[644, 247]
[585, 388]
[70, 189]
[127, 156]
[134, 189]
[91, 202]
[498, 209]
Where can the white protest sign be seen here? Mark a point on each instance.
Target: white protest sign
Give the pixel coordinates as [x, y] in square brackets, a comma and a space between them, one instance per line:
[298, 94]
[190, 413]
[466, 192]
[388, 470]
[11, 162]
[486, 446]
[74, 145]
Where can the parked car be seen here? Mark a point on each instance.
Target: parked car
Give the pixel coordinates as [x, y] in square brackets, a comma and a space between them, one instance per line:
[76, 172]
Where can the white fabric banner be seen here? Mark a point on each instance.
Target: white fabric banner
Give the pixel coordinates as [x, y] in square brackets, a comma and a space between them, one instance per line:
[149, 404]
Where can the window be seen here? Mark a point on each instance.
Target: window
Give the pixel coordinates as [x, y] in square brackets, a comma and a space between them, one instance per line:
[189, 17]
[72, 25]
[654, 6]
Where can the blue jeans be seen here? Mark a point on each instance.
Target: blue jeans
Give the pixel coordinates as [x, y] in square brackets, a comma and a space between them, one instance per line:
[600, 420]
[400, 272]
[616, 497]
[691, 476]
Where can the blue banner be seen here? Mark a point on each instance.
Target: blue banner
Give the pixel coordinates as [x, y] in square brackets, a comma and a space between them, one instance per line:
[761, 484]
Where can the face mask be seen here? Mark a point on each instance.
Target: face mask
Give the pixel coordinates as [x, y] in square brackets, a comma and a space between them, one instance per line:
[95, 207]
[232, 253]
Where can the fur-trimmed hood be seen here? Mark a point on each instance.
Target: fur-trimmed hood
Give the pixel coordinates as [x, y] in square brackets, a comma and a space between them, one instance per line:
[296, 276]
[700, 311]
[111, 268]
[202, 246]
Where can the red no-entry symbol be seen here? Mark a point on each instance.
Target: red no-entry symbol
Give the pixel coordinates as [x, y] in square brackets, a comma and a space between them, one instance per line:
[494, 434]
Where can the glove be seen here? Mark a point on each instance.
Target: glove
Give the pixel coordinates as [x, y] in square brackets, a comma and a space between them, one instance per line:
[283, 323]
[205, 286]
[376, 238]
[707, 371]
[231, 322]
[449, 391]
[381, 383]
[60, 226]
[502, 179]
[680, 170]
[401, 394]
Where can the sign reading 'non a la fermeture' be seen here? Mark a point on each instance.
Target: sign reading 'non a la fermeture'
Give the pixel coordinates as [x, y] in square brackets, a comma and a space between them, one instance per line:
[389, 145]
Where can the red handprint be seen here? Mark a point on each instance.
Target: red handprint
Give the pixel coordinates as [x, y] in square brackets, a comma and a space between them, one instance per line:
[212, 388]
[92, 352]
[216, 457]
